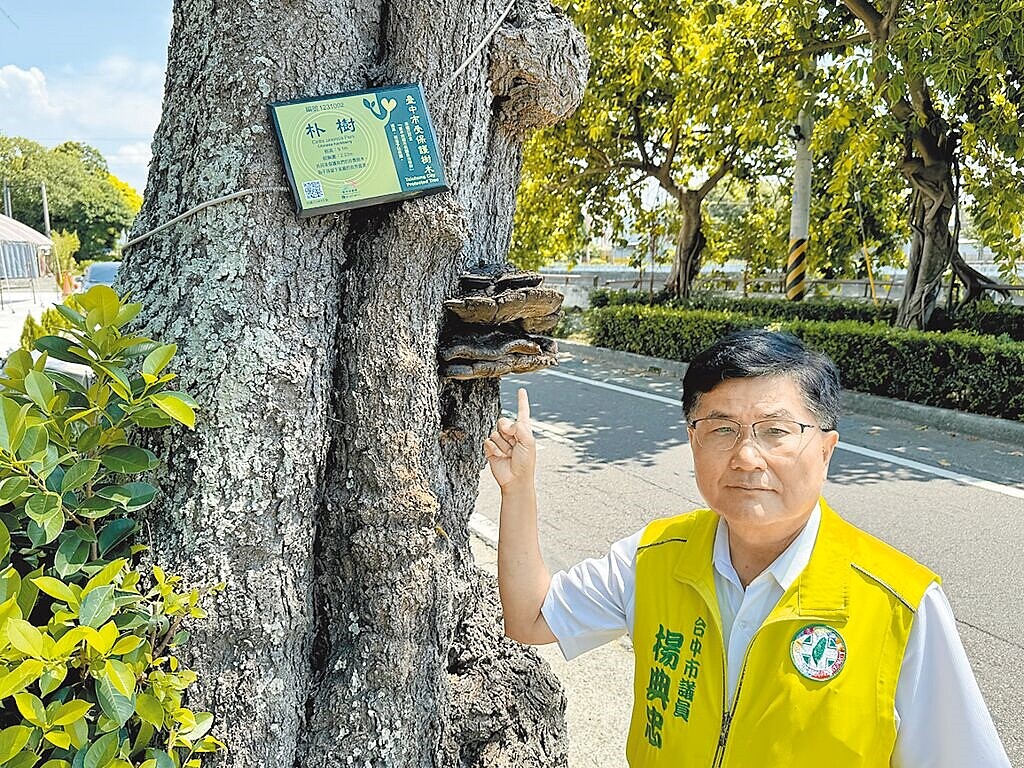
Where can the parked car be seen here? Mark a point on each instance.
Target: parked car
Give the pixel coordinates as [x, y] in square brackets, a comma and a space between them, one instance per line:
[99, 273]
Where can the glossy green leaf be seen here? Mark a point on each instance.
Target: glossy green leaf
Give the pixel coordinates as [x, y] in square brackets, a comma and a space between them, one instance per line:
[105, 748]
[31, 708]
[71, 711]
[127, 313]
[103, 301]
[97, 607]
[51, 679]
[115, 532]
[149, 709]
[126, 645]
[40, 389]
[12, 739]
[114, 704]
[76, 319]
[203, 724]
[71, 555]
[128, 459]
[80, 473]
[178, 406]
[79, 732]
[131, 496]
[5, 541]
[42, 506]
[24, 637]
[34, 444]
[58, 348]
[56, 588]
[120, 676]
[24, 759]
[105, 575]
[90, 438]
[26, 673]
[28, 592]
[95, 507]
[12, 488]
[158, 359]
[12, 424]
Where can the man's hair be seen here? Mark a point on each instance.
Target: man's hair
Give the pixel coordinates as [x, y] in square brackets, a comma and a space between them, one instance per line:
[757, 353]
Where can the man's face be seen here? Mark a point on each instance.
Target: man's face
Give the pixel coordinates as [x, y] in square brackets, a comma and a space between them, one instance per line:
[750, 485]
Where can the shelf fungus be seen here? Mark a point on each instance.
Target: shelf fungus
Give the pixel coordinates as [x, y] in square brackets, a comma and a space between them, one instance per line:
[494, 327]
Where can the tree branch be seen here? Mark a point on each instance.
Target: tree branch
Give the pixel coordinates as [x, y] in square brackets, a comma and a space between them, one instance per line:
[867, 13]
[825, 45]
[707, 186]
[638, 136]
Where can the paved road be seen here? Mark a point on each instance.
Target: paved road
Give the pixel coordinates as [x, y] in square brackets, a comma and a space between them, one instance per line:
[612, 455]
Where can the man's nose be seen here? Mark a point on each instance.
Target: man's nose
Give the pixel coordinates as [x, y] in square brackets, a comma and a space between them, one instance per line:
[746, 454]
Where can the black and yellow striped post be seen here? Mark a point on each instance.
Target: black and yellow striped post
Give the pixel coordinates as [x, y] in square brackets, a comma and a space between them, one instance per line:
[796, 269]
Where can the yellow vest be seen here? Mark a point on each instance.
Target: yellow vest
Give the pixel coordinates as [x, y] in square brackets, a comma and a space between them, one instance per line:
[844, 622]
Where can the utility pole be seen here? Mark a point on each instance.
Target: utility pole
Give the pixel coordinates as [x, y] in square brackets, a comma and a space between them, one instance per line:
[7, 199]
[800, 213]
[46, 210]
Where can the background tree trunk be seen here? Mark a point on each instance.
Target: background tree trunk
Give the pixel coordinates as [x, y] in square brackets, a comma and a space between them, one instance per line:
[331, 475]
[932, 245]
[689, 245]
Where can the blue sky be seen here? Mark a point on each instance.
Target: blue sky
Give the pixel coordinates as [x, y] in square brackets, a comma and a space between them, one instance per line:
[85, 71]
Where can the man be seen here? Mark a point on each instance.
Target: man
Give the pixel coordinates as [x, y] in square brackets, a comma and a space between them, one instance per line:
[767, 630]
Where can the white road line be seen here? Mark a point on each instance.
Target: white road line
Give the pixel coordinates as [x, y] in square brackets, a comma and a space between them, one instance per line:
[977, 482]
[616, 388]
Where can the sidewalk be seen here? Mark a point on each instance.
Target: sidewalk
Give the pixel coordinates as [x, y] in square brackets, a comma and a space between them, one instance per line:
[17, 305]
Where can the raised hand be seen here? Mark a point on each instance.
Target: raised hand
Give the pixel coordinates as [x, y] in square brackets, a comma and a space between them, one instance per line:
[511, 451]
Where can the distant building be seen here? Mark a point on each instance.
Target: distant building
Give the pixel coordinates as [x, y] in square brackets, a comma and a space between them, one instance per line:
[24, 253]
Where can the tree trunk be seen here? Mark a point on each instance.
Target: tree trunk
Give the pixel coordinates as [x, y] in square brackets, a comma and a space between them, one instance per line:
[932, 245]
[689, 246]
[332, 473]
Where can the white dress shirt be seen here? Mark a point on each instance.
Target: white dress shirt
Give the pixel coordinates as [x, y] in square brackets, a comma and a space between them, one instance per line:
[942, 720]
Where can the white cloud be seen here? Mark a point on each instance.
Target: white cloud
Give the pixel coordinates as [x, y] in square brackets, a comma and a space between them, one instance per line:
[114, 106]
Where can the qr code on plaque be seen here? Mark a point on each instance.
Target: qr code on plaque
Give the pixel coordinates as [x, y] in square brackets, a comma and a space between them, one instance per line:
[313, 190]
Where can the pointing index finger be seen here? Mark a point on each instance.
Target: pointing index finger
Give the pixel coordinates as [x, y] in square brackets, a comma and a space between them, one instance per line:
[523, 415]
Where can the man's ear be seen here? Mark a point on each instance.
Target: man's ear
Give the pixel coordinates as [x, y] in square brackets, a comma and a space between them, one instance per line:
[828, 445]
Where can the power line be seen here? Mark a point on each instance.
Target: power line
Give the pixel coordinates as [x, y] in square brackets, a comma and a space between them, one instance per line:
[5, 13]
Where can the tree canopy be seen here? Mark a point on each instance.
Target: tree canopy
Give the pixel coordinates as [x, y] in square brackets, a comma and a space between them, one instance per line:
[83, 196]
[917, 107]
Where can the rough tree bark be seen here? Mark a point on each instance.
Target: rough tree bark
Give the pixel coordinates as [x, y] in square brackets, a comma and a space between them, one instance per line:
[332, 473]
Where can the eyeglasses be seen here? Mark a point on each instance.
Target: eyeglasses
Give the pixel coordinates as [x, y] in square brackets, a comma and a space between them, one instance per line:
[778, 436]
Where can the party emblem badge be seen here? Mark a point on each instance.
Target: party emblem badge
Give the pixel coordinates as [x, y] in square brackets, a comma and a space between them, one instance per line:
[818, 652]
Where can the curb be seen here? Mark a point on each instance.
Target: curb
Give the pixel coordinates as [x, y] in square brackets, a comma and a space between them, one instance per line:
[976, 425]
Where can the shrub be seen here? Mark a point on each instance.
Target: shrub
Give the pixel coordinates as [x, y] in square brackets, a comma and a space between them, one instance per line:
[965, 371]
[824, 309]
[991, 319]
[88, 675]
[669, 333]
[51, 323]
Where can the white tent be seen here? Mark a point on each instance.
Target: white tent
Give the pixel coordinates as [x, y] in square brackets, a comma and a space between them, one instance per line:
[22, 250]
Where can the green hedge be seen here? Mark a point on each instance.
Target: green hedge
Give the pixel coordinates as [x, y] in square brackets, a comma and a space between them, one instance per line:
[781, 309]
[984, 317]
[991, 319]
[963, 371]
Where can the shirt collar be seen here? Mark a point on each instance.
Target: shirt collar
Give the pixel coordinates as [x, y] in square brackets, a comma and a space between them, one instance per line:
[787, 566]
